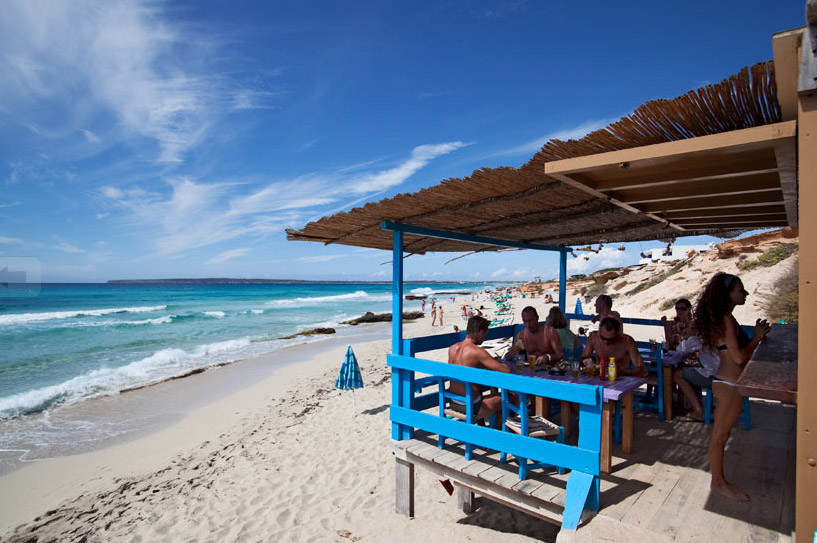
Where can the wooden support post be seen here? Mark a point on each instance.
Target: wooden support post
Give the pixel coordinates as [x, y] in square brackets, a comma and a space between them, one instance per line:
[403, 487]
[606, 460]
[627, 423]
[465, 500]
[668, 393]
[565, 419]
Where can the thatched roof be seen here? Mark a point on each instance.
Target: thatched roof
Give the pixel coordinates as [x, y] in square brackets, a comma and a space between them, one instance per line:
[658, 195]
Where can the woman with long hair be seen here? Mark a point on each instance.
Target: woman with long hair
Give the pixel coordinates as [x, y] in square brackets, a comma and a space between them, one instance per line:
[719, 332]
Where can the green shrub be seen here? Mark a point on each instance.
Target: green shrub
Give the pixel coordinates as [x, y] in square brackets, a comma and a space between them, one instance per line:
[784, 305]
[770, 257]
[577, 277]
[670, 303]
[593, 291]
[658, 278]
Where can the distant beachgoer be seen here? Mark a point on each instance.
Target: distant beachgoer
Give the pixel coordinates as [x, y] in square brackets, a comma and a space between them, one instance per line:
[423, 305]
[548, 299]
[433, 314]
[720, 331]
[441, 315]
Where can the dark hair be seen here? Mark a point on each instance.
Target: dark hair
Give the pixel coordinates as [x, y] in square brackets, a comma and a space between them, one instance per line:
[684, 301]
[713, 306]
[530, 309]
[556, 318]
[607, 300]
[610, 323]
[476, 324]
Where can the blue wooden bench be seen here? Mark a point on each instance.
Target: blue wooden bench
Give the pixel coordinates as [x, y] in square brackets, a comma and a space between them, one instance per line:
[410, 412]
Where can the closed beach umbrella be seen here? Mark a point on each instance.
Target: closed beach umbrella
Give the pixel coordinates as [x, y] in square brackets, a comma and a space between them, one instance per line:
[578, 310]
[349, 376]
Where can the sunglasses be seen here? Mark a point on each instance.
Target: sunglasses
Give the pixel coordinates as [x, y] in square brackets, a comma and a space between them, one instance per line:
[607, 339]
[681, 308]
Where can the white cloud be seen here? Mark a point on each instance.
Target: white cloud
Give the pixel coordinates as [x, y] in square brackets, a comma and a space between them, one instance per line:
[11, 241]
[534, 146]
[9, 204]
[320, 258]
[608, 257]
[501, 272]
[228, 255]
[196, 214]
[102, 215]
[120, 57]
[67, 248]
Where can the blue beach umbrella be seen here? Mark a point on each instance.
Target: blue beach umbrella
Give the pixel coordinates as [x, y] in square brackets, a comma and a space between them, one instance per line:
[349, 376]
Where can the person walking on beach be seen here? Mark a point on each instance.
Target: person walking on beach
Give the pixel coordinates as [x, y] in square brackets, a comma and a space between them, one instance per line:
[423, 305]
[441, 315]
[469, 353]
[433, 313]
[719, 332]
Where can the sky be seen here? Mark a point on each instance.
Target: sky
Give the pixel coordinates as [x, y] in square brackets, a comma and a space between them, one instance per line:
[153, 139]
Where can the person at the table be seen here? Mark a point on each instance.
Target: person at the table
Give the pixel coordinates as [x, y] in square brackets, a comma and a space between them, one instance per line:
[469, 353]
[679, 328]
[604, 309]
[719, 331]
[539, 340]
[609, 342]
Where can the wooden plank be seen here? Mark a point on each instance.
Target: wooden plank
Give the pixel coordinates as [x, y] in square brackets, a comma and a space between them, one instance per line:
[748, 139]
[651, 500]
[566, 420]
[528, 486]
[618, 498]
[606, 460]
[403, 488]
[667, 520]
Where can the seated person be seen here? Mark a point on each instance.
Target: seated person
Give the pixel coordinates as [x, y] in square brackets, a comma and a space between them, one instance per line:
[677, 329]
[548, 299]
[558, 321]
[604, 308]
[609, 342]
[469, 353]
[539, 340]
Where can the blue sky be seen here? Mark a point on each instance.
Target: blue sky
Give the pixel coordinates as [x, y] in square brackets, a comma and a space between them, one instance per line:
[147, 139]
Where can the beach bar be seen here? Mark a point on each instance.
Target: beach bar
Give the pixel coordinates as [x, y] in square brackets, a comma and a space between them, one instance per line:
[720, 160]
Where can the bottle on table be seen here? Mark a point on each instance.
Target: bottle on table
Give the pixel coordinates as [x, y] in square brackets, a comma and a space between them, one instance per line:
[612, 371]
[602, 369]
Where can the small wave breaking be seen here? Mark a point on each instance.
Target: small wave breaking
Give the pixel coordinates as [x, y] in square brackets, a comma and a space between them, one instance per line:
[25, 318]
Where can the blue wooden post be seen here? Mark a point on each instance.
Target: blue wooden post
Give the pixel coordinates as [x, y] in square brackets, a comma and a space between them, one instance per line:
[401, 380]
[562, 278]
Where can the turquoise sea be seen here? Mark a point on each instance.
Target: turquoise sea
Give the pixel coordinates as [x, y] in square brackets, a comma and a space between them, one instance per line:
[68, 343]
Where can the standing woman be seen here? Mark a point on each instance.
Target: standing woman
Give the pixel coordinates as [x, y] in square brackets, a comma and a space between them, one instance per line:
[719, 332]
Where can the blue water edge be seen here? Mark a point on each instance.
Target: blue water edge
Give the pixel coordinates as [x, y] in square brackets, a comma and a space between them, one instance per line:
[73, 342]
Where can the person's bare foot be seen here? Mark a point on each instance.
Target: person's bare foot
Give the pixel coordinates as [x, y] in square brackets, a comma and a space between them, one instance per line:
[728, 491]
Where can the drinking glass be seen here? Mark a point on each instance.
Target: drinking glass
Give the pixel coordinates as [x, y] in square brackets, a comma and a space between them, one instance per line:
[574, 368]
[519, 362]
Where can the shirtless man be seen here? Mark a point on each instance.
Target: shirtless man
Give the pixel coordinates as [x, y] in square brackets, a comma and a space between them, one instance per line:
[540, 340]
[604, 308]
[610, 342]
[469, 353]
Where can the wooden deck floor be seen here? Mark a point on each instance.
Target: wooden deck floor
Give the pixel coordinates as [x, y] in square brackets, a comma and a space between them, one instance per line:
[660, 492]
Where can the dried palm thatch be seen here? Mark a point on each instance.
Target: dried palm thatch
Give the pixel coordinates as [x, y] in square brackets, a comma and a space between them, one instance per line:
[526, 205]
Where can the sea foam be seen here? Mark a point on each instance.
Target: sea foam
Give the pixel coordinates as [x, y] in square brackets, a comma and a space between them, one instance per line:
[24, 318]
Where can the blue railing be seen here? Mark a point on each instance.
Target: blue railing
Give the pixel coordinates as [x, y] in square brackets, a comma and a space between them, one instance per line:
[408, 413]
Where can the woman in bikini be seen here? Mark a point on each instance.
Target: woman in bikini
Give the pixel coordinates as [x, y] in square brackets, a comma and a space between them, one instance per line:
[719, 332]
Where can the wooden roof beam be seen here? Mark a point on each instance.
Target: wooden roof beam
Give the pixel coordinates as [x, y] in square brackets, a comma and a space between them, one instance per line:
[725, 142]
[703, 202]
[667, 196]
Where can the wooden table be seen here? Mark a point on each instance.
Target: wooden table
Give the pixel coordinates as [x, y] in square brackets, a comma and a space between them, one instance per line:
[620, 390]
[771, 373]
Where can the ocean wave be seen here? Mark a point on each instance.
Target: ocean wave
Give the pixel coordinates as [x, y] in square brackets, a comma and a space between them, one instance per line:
[24, 318]
[217, 314]
[357, 296]
[257, 311]
[160, 366]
